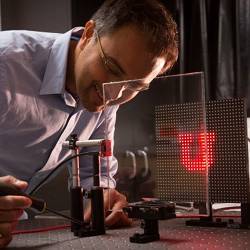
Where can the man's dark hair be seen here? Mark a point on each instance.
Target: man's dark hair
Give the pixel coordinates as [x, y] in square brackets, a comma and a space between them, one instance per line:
[149, 16]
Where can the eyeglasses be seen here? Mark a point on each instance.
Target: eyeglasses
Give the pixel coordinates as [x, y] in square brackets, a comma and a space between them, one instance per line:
[110, 66]
[115, 70]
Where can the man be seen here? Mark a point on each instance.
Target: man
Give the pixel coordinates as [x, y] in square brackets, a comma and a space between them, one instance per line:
[51, 86]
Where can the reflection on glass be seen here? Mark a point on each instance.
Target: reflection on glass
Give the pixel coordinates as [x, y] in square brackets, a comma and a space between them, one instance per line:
[165, 128]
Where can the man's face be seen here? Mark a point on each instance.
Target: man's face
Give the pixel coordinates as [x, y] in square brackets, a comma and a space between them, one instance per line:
[127, 49]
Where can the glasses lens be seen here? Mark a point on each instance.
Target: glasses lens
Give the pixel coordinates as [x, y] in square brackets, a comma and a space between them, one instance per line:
[137, 86]
[112, 68]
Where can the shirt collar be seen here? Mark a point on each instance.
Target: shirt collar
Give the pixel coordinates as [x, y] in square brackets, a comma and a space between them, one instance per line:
[55, 73]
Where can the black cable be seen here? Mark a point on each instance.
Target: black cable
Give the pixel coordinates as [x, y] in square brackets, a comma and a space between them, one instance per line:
[64, 216]
[56, 168]
[248, 139]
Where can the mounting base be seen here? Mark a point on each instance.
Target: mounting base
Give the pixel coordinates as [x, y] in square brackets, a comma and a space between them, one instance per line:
[87, 231]
[150, 212]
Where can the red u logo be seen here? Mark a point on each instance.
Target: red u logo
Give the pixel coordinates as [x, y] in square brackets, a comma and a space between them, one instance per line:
[195, 156]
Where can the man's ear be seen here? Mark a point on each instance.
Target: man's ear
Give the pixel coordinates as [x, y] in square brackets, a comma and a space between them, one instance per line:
[87, 33]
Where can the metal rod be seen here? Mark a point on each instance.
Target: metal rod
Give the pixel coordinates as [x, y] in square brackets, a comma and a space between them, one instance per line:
[87, 143]
[75, 168]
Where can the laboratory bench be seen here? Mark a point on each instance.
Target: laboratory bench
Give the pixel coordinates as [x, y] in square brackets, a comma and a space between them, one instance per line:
[174, 234]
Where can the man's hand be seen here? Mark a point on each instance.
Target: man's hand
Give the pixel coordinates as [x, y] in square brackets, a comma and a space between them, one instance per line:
[11, 208]
[113, 204]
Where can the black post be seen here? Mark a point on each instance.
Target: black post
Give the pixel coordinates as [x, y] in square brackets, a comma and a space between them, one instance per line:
[97, 205]
[245, 215]
[96, 169]
[76, 195]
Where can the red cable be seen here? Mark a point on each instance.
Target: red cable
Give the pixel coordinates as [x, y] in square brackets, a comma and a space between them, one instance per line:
[205, 216]
[52, 228]
[227, 216]
[38, 230]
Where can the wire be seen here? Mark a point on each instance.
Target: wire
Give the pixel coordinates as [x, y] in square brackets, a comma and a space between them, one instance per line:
[56, 168]
[39, 230]
[190, 216]
[227, 216]
[226, 208]
[45, 229]
[64, 216]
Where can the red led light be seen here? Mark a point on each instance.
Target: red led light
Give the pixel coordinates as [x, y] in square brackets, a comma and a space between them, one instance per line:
[195, 156]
